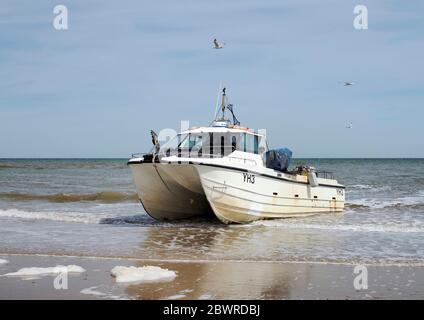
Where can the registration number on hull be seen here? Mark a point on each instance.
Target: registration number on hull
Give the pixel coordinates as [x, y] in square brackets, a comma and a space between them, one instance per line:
[248, 177]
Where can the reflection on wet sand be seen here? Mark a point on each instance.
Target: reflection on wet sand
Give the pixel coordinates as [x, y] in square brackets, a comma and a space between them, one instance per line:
[203, 274]
[180, 243]
[237, 262]
[219, 280]
[274, 280]
[215, 242]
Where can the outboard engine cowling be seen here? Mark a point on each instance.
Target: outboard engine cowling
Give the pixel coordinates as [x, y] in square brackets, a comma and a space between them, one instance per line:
[278, 159]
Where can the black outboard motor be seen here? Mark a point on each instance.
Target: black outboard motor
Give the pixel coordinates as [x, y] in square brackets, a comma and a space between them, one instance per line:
[278, 159]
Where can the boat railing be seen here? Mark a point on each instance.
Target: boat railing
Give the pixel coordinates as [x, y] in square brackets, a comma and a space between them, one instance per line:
[325, 174]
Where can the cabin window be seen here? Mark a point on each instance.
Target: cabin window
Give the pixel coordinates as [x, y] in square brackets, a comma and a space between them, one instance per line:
[200, 149]
[211, 144]
[195, 145]
[215, 144]
[221, 144]
[195, 142]
[252, 143]
[190, 141]
[249, 143]
[188, 145]
[244, 142]
[233, 143]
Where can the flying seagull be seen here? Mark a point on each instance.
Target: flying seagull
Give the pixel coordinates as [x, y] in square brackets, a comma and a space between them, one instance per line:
[348, 83]
[350, 126]
[217, 45]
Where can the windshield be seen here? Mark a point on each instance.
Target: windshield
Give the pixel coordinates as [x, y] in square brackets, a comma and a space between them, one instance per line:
[215, 144]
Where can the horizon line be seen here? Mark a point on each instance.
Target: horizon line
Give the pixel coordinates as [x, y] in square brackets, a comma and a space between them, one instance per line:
[111, 158]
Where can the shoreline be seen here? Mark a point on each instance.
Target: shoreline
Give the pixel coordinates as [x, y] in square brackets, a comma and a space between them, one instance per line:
[210, 280]
[200, 261]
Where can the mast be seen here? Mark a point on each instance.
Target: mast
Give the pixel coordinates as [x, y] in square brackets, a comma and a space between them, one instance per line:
[222, 122]
[223, 104]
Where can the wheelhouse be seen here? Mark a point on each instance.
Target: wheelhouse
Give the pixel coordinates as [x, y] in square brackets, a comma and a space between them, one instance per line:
[213, 143]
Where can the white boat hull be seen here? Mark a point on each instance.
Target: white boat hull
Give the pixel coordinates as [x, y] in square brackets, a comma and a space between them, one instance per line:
[178, 191]
[235, 198]
[165, 198]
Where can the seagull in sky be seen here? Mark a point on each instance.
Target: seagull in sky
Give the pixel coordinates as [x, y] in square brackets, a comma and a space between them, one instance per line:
[350, 126]
[348, 83]
[217, 45]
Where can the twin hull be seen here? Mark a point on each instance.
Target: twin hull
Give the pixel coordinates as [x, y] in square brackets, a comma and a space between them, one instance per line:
[178, 191]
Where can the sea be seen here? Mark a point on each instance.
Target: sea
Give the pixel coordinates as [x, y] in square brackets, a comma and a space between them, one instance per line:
[89, 208]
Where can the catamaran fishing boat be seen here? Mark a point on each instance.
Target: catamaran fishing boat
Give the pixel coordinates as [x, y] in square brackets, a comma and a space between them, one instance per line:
[228, 171]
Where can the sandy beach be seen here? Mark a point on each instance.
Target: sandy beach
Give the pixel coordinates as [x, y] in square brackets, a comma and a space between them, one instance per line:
[210, 280]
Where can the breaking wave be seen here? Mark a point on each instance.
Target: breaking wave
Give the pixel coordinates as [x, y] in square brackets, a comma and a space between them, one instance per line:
[103, 197]
[400, 227]
[355, 206]
[7, 166]
[139, 220]
[367, 187]
[50, 215]
[385, 205]
[415, 202]
[78, 217]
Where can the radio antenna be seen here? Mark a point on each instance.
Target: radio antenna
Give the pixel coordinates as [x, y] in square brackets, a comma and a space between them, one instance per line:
[217, 100]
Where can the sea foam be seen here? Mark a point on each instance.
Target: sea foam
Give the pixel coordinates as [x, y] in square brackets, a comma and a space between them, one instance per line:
[142, 274]
[35, 271]
[387, 227]
[414, 201]
[52, 216]
[3, 261]
[78, 217]
[92, 291]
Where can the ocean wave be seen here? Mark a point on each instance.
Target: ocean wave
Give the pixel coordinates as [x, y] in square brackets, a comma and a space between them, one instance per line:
[369, 204]
[369, 187]
[398, 228]
[63, 164]
[355, 205]
[414, 201]
[415, 206]
[7, 166]
[13, 166]
[360, 186]
[141, 219]
[103, 197]
[52, 216]
[78, 217]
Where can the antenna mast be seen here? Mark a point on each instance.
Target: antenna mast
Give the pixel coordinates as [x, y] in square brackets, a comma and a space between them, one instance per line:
[217, 101]
[223, 103]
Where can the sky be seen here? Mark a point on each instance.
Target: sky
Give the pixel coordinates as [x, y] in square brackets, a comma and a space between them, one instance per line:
[125, 67]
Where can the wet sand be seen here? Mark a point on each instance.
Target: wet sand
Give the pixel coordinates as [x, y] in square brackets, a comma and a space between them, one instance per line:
[211, 280]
